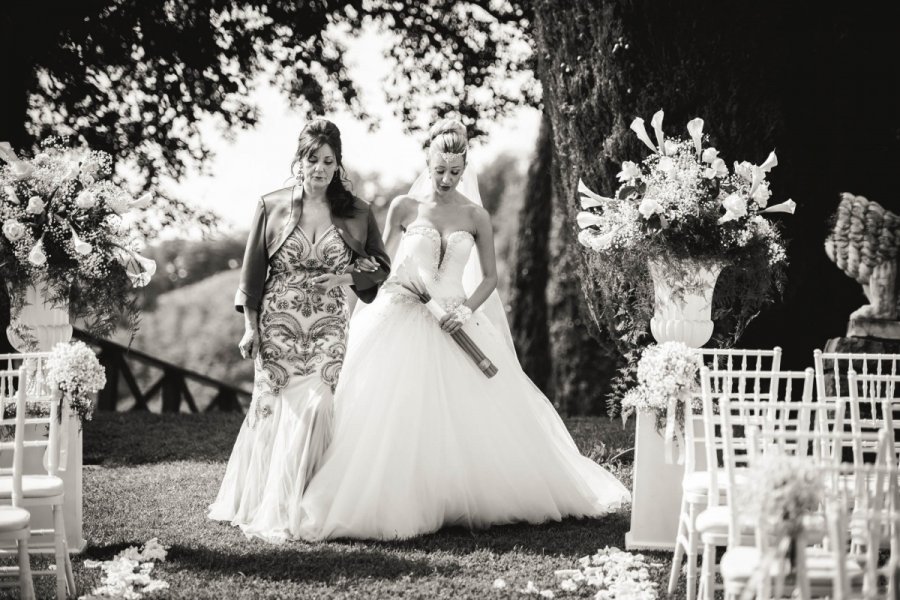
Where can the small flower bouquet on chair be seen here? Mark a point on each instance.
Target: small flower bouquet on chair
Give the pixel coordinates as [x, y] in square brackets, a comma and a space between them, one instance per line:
[414, 283]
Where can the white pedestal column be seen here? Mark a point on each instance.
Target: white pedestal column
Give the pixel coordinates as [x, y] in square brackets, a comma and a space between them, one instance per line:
[656, 492]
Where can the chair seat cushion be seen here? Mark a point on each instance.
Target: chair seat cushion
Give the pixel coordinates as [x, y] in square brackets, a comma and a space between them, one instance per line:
[713, 520]
[13, 518]
[33, 486]
[739, 564]
[698, 481]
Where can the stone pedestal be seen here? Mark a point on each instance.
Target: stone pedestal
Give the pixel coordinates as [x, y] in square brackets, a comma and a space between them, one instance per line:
[865, 344]
[877, 329]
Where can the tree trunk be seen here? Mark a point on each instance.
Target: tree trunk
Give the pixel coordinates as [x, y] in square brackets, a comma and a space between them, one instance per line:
[819, 86]
[584, 363]
[528, 287]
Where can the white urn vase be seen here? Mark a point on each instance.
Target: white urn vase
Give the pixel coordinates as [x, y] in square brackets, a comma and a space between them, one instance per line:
[38, 324]
[683, 291]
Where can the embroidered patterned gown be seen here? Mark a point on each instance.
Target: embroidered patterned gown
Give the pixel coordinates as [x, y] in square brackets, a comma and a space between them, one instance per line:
[289, 424]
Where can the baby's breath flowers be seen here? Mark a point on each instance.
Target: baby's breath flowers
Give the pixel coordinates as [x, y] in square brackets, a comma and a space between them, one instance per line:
[62, 227]
[73, 368]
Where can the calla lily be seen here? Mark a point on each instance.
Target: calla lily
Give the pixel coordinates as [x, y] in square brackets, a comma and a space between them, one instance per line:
[589, 199]
[771, 161]
[637, 126]
[588, 219]
[7, 153]
[138, 268]
[695, 128]
[657, 122]
[37, 256]
[757, 177]
[142, 202]
[788, 206]
[81, 247]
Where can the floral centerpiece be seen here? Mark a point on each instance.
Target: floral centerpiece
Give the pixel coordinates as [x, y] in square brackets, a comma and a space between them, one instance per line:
[63, 231]
[73, 368]
[678, 218]
[780, 491]
[667, 374]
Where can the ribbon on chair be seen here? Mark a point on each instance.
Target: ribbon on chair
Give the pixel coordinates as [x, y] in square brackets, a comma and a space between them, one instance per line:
[673, 434]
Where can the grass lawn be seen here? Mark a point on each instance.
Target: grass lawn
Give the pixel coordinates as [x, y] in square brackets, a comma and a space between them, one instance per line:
[149, 475]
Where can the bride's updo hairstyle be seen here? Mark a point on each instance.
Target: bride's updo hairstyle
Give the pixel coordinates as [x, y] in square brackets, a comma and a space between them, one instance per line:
[314, 135]
[448, 136]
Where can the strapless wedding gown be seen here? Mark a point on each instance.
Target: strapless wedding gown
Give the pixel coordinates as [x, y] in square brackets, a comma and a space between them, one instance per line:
[423, 439]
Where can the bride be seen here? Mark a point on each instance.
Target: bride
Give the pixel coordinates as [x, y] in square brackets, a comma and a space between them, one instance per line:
[423, 439]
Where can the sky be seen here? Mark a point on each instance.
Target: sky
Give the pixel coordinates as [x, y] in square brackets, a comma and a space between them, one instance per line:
[258, 160]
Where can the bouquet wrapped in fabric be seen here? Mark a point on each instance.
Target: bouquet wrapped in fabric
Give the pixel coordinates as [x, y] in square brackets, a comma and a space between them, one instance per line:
[415, 284]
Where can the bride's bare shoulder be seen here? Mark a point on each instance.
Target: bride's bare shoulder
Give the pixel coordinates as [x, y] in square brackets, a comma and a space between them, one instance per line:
[401, 208]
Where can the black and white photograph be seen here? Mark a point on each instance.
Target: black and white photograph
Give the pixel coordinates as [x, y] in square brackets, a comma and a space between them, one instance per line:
[482, 299]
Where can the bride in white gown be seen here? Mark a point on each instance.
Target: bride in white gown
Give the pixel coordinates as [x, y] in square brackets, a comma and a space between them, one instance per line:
[423, 439]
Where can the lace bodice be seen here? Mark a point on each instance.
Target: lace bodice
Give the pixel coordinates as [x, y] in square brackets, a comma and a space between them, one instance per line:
[439, 260]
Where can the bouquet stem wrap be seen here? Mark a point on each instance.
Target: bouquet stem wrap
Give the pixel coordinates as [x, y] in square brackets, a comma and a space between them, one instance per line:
[673, 433]
[462, 339]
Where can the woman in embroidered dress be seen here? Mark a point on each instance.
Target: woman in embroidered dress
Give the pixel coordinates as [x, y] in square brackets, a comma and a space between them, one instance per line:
[423, 439]
[307, 244]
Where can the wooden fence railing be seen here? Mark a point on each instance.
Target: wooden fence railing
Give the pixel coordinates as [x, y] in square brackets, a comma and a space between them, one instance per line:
[172, 383]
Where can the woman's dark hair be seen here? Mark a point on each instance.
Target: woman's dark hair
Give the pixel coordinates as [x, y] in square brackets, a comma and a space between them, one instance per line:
[316, 134]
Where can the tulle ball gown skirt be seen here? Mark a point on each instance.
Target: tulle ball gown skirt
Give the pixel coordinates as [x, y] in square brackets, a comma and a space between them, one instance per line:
[424, 440]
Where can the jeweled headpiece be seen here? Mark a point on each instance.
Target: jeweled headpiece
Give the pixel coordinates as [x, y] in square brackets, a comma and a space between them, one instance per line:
[449, 156]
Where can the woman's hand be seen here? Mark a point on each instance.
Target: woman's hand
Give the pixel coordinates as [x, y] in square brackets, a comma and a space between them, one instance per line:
[328, 281]
[367, 265]
[249, 344]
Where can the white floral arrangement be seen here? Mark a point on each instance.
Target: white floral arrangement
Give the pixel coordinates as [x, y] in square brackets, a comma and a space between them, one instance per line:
[63, 222]
[781, 490]
[684, 200]
[667, 374]
[664, 372]
[128, 575]
[74, 369]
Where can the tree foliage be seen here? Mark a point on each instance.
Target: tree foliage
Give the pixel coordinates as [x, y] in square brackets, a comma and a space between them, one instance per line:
[136, 79]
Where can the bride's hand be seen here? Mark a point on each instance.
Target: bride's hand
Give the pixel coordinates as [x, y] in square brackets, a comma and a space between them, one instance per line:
[249, 344]
[454, 320]
[450, 323]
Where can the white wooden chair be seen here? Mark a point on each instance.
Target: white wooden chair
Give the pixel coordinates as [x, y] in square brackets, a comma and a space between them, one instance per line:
[770, 404]
[15, 520]
[43, 490]
[763, 571]
[695, 483]
[874, 371]
[878, 395]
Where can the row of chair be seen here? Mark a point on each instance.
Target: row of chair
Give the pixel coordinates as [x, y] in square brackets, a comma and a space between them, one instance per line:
[745, 391]
[27, 404]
